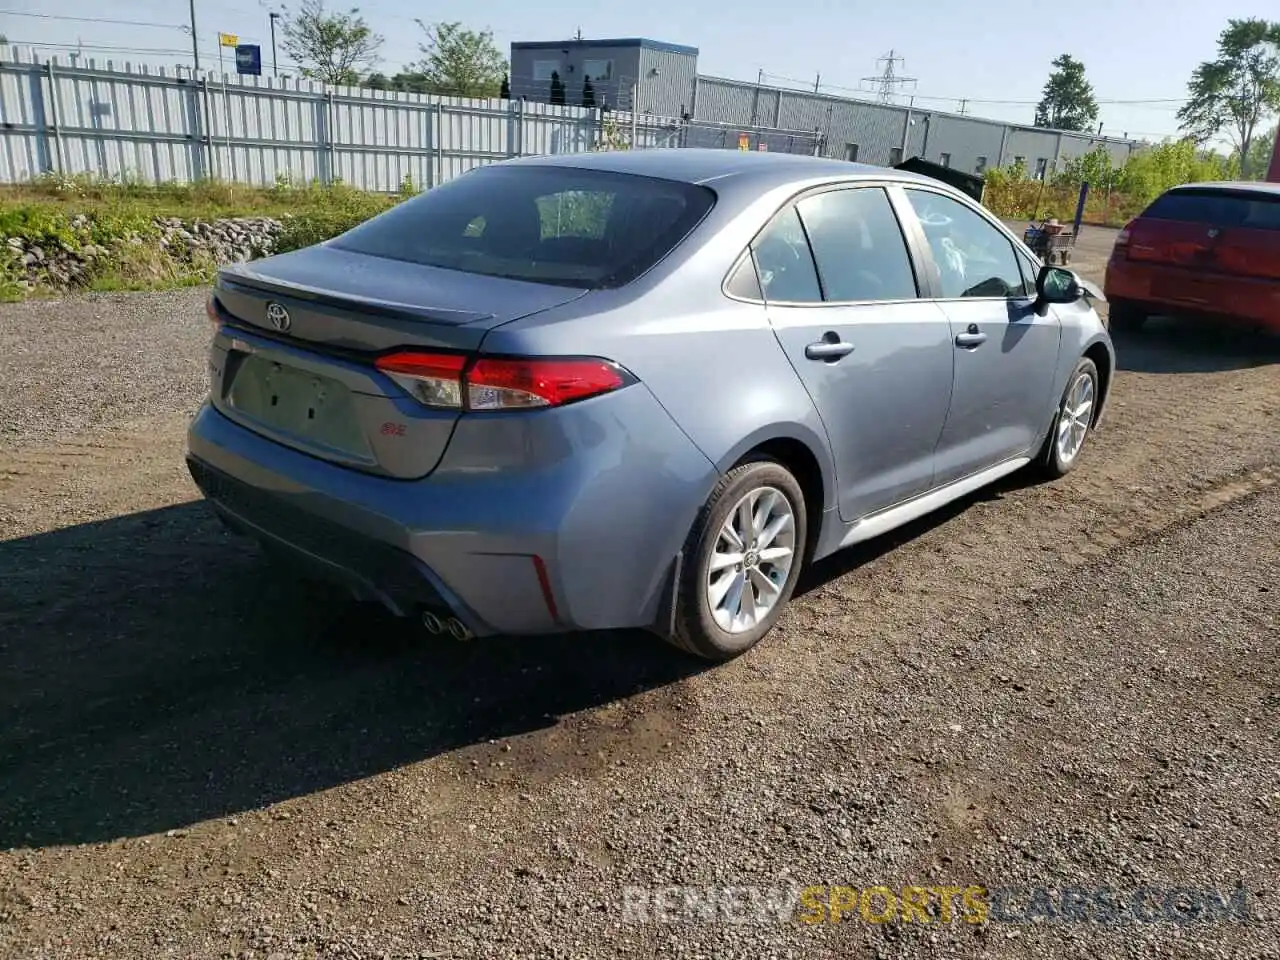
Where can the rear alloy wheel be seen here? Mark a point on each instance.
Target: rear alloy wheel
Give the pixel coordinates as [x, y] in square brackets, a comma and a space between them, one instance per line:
[1125, 317]
[1074, 421]
[742, 560]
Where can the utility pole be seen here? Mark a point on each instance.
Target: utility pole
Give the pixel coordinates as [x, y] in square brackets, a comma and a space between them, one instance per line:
[889, 80]
[578, 35]
[817, 83]
[195, 40]
[963, 104]
[273, 17]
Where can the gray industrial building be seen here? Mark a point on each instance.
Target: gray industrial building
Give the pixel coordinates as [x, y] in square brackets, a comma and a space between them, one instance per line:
[662, 80]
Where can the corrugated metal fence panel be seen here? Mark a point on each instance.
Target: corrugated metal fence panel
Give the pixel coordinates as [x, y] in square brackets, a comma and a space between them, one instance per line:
[547, 129]
[25, 149]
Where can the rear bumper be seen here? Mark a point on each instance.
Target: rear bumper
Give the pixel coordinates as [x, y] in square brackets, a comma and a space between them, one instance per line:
[574, 524]
[1248, 300]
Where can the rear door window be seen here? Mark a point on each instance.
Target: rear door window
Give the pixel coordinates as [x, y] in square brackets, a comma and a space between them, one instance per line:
[784, 261]
[547, 224]
[858, 245]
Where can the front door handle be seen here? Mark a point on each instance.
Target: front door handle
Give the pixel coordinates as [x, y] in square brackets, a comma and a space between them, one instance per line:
[829, 349]
[971, 338]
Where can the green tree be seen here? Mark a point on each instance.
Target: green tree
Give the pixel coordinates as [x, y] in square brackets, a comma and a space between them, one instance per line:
[504, 91]
[588, 93]
[1237, 91]
[557, 89]
[329, 47]
[1259, 161]
[458, 62]
[1067, 102]
[1094, 168]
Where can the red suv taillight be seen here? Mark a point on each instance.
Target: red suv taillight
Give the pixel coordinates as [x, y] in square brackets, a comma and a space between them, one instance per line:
[455, 382]
[1122, 238]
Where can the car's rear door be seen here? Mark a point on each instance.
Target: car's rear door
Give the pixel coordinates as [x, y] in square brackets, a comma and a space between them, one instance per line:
[843, 301]
[1005, 353]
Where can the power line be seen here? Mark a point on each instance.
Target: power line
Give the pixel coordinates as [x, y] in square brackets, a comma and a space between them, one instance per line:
[123, 23]
[104, 48]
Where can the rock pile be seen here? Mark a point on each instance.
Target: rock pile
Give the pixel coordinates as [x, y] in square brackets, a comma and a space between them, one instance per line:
[61, 265]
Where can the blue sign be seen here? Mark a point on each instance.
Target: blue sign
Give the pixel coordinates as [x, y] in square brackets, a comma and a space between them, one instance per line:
[249, 59]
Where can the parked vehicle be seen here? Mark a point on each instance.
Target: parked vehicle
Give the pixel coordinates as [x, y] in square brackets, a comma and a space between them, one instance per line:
[635, 389]
[1211, 249]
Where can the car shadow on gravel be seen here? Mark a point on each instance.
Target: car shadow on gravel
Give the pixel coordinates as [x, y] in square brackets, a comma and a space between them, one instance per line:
[153, 673]
[1173, 345]
[851, 558]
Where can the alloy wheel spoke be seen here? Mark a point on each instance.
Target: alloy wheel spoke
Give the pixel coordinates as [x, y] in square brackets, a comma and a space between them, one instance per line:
[730, 536]
[719, 589]
[745, 521]
[760, 515]
[774, 554]
[775, 527]
[719, 561]
[763, 585]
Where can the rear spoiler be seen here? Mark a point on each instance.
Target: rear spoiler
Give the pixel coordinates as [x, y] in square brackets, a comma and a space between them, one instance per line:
[970, 184]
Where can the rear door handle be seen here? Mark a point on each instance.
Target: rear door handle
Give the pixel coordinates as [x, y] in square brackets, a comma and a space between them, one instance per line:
[973, 338]
[829, 349]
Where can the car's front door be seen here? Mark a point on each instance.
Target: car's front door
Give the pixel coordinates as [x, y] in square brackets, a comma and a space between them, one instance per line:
[1005, 353]
[843, 301]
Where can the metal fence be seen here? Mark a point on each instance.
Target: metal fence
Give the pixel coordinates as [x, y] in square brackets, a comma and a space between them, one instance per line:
[154, 127]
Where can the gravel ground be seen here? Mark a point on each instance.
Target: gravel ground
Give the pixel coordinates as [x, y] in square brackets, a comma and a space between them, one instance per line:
[1066, 685]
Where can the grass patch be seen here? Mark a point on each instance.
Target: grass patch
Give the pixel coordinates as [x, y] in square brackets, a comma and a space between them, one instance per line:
[110, 228]
[202, 200]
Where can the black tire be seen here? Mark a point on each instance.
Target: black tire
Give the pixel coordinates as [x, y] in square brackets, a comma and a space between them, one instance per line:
[1049, 464]
[1125, 316]
[696, 628]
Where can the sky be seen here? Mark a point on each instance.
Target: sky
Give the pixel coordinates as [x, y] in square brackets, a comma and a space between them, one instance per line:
[995, 53]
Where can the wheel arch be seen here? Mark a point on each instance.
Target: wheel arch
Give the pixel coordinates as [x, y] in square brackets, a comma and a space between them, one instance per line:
[1103, 357]
[798, 448]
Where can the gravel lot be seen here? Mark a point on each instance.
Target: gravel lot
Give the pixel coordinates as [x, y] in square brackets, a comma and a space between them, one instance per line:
[1072, 684]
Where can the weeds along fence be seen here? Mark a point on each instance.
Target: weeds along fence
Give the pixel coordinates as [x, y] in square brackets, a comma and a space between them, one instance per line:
[155, 126]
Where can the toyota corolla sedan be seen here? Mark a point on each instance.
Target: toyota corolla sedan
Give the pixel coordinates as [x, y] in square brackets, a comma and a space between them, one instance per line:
[635, 389]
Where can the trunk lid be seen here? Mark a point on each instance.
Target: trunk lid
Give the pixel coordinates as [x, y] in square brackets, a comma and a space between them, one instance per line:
[294, 362]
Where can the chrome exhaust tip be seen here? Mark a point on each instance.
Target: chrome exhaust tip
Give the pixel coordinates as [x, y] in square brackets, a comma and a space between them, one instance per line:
[458, 629]
[432, 622]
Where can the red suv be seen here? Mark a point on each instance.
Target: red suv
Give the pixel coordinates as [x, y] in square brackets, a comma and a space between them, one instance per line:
[1207, 248]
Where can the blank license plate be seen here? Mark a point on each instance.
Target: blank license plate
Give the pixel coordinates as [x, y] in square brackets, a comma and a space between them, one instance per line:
[313, 408]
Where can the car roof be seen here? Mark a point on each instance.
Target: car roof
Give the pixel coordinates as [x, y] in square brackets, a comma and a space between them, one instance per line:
[700, 165]
[1231, 186]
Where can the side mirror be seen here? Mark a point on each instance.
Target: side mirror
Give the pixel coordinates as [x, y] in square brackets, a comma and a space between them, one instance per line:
[1056, 285]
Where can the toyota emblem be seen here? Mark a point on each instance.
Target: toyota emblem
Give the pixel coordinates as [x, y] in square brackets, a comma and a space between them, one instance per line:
[1213, 232]
[278, 316]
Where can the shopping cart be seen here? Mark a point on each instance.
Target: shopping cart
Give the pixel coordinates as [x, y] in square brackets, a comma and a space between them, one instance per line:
[1050, 241]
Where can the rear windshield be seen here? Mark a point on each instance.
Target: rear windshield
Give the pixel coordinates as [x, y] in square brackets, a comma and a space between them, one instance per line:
[1221, 208]
[558, 225]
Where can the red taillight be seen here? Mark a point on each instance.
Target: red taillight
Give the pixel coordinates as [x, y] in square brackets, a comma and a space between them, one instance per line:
[499, 383]
[1122, 238]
